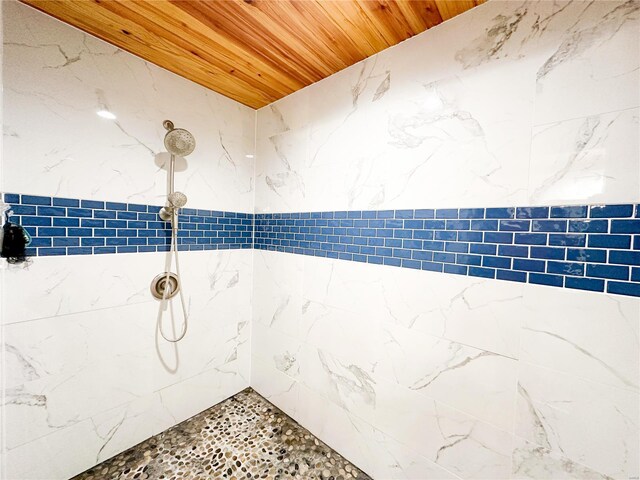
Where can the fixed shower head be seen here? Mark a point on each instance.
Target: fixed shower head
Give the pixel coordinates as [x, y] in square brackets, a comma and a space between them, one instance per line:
[179, 141]
[177, 199]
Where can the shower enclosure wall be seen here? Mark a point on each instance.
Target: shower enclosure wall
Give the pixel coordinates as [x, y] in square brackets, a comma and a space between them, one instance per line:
[404, 298]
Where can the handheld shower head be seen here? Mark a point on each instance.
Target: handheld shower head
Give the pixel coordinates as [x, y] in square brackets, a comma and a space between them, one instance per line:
[179, 141]
[177, 199]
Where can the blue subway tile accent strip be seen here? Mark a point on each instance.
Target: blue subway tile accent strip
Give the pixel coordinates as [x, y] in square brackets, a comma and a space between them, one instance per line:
[591, 248]
[68, 226]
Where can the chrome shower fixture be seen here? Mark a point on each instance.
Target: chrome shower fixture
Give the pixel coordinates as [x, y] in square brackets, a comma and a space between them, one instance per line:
[178, 141]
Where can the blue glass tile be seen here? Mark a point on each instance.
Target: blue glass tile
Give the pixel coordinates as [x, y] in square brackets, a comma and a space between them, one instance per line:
[47, 252]
[530, 238]
[103, 250]
[138, 224]
[458, 224]
[511, 275]
[635, 274]
[116, 206]
[376, 260]
[52, 211]
[104, 214]
[610, 241]
[447, 213]
[44, 241]
[589, 226]
[434, 224]
[483, 248]
[384, 251]
[451, 235]
[129, 249]
[423, 234]
[92, 242]
[52, 232]
[546, 279]
[624, 257]
[404, 213]
[457, 247]
[11, 198]
[442, 257]
[411, 264]
[91, 223]
[565, 268]
[387, 223]
[354, 214]
[455, 269]
[569, 240]
[548, 253]
[79, 251]
[484, 225]
[417, 244]
[127, 232]
[64, 241]
[66, 202]
[127, 215]
[340, 215]
[499, 213]
[401, 253]
[569, 212]
[498, 237]
[587, 255]
[432, 266]
[636, 242]
[424, 213]
[515, 225]
[79, 212]
[496, 262]
[384, 232]
[36, 200]
[415, 224]
[611, 211]
[482, 272]
[513, 251]
[80, 232]
[470, 236]
[23, 209]
[359, 258]
[625, 226]
[532, 212]
[394, 262]
[549, 226]
[35, 221]
[366, 214]
[463, 259]
[385, 214]
[471, 213]
[621, 288]
[637, 215]
[528, 265]
[608, 271]
[590, 284]
[91, 204]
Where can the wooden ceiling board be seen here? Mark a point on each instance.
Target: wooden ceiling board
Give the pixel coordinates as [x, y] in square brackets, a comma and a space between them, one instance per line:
[253, 51]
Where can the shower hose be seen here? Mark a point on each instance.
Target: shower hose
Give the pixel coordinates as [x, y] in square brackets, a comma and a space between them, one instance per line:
[173, 251]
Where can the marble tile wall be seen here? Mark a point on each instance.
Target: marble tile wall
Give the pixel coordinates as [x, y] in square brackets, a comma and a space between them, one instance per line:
[414, 374]
[85, 373]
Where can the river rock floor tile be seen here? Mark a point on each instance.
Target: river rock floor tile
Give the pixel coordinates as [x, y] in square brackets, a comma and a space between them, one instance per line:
[244, 437]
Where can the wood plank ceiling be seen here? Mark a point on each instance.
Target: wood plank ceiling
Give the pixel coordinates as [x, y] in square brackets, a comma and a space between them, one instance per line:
[253, 51]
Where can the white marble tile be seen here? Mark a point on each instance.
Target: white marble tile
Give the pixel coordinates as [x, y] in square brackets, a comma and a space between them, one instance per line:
[594, 65]
[592, 159]
[276, 350]
[56, 78]
[457, 442]
[59, 456]
[590, 423]
[279, 388]
[595, 337]
[477, 382]
[277, 292]
[532, 461]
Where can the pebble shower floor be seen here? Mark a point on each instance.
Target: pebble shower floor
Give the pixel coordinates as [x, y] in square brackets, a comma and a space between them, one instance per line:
[243, 437]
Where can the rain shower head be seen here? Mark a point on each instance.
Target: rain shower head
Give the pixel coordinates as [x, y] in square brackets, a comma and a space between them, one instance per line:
[179, 141]
[177, 199]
